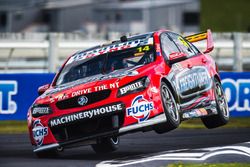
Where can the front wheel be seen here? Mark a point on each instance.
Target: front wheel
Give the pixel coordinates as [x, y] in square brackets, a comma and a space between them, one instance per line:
[170, 109]
[106, 145]
[222, 117]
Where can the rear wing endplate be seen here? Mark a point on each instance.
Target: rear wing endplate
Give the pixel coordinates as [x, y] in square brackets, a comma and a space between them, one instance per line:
[201, 36]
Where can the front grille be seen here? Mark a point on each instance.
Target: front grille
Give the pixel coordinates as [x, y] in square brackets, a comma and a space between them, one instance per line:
[86, 128]
[92, 98]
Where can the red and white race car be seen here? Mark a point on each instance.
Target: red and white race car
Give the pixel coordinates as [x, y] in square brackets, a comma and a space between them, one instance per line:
[146, 82]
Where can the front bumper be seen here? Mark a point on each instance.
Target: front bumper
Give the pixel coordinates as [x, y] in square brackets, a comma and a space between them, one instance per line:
[90, 124]
[66, 133]
[87, 140]
[78, 141]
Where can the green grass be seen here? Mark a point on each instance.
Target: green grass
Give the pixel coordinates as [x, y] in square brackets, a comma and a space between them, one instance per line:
[8, 127]
[243, 122]
[210, 165]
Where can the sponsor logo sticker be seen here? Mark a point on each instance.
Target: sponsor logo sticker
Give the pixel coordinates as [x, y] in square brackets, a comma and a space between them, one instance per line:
[39, 132]
[7, 90]
[191, 82]
[40, 110]
[61, 97]
[237, 93]
[111, 48]
[88, 114]
[131, 87]
[140, 108]
[82, 100]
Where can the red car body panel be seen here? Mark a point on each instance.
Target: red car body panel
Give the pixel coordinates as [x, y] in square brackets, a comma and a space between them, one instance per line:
[41, 131]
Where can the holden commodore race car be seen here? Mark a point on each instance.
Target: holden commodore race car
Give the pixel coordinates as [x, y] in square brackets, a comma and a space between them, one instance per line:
[152, 81]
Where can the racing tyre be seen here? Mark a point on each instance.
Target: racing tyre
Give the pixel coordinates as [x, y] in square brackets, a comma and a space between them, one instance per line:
[106, 145]
[222, 117]
[47, 154]
[170, 109]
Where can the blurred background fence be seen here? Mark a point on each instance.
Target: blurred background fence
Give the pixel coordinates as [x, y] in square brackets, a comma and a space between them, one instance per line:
[46, 52]
[37, 36]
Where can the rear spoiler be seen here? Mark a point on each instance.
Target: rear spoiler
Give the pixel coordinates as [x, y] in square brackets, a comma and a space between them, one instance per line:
[201, 36]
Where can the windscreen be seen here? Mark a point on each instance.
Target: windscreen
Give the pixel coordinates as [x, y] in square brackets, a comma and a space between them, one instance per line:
[106, 63]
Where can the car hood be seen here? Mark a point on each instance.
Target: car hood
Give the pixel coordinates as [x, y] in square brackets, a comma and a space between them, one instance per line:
[86, 85]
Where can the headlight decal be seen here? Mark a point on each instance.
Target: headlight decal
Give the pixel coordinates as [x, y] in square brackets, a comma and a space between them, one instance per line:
[39, 110]
[133, 87]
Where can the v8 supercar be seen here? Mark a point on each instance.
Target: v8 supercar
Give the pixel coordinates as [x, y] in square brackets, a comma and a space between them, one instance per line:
[146, 82]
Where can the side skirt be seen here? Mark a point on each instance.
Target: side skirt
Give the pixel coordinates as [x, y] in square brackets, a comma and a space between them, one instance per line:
[153, 121]
[200, 112]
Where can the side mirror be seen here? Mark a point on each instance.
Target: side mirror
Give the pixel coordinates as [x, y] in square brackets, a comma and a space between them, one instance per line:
[42, 89]
[177, 56]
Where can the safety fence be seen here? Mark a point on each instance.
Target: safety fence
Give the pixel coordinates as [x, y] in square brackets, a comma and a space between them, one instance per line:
[46, 52]
[18, 91]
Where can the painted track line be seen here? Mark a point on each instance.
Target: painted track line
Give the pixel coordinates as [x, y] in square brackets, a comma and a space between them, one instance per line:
[184, 155]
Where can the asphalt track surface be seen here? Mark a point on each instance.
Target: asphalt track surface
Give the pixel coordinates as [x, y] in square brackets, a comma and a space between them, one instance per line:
[16, 151]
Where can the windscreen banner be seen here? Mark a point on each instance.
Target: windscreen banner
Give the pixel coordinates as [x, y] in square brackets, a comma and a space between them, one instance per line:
[18, 91]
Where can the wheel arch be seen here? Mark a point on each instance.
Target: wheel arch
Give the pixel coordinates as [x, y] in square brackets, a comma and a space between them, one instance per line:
[170, 86]
[216, 76]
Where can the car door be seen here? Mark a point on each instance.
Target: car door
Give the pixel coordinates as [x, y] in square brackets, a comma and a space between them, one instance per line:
[188, 75]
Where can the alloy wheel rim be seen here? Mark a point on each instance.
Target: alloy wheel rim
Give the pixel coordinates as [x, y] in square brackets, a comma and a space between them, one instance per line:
[221, 100]
[169, 103]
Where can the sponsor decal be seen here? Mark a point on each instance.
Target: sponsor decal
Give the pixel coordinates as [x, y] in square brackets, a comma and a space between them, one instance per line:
[61, 97]
[140, 108]
[7, 90]
[95, 89]
[131, 87]
[81, 92]
[82, 100]
[111, 48]
[195, 113]
[88, 114]
[39, 132]
[135, 86]
[193, 81]
[237, 93]
[41, 110]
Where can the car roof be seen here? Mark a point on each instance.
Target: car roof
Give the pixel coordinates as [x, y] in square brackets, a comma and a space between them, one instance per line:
[130, 38]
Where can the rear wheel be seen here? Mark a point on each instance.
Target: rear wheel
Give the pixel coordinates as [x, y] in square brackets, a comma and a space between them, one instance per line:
[106, 145]
[222, 117]
[170, 109]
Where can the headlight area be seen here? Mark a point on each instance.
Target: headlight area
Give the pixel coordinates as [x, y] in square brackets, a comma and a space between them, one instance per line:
[134, 87]
[38, 110]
